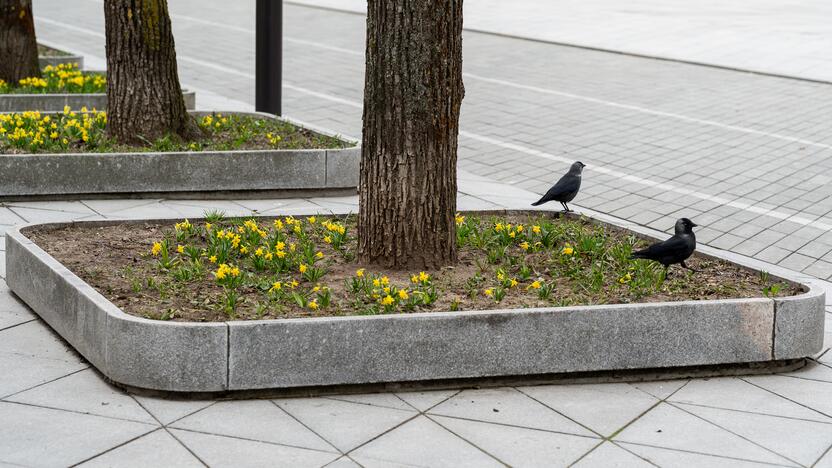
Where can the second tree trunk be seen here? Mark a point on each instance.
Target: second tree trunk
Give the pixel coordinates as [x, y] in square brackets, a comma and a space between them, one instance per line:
[412, 96]
[144, 98]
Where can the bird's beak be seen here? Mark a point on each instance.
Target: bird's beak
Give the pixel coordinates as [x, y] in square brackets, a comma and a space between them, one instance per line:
[694, 225]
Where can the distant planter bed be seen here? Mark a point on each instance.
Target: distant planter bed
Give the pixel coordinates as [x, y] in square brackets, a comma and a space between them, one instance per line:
[54, 57]
[69, 153]
[240, 304]
[60, 86]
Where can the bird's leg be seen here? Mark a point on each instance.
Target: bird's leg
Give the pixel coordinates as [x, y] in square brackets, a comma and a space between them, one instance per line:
[688, 268]
[565, 207]
[666, 271]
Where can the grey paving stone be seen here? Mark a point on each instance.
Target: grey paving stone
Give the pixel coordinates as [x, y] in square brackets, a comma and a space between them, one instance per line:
[736, 394]
[37, 436]
[604, 408]
[669, 427]
[21, 372]
[158, 448]
[85, 392]
[257, 420]
[518, 446]
[774, 433]
[506, 406]
[167, 410]
[12, 311]
[610, 455]
[772, 254]
[217, 450]
[796, 262]
[423, 442]
[677, 458]
[423, 401]
[802, 391]
[384, 400]
[344, 424]
[660, 389]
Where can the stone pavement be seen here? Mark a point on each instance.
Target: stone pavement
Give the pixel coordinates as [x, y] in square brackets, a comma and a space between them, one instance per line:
[769, 36]
[746, 156]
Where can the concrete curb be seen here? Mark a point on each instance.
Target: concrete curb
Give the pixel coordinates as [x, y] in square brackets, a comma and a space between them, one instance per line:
[293, 353]
[43, 61]
[23, 175]
[56, 102]
[54, 60]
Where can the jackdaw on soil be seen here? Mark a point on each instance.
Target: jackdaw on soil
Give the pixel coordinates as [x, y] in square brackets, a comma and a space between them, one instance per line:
[677, 249]
[566, 188]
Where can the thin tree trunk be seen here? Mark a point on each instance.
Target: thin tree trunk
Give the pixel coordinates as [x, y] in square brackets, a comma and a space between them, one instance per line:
[144, 98]
[412, 94]
[18, 46]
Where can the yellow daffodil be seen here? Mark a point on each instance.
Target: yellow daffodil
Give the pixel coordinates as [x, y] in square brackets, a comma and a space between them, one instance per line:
[359, 272]
[156, 249]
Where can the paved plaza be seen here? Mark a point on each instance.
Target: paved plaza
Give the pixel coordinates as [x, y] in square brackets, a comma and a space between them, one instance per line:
[746, 156]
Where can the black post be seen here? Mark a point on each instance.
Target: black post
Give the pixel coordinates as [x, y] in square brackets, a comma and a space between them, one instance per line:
[269, 56]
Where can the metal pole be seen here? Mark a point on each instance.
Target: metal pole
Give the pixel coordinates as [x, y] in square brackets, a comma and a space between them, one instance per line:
[268, 56]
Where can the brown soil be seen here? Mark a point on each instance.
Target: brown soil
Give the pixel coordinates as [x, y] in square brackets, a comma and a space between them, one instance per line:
[111, 259]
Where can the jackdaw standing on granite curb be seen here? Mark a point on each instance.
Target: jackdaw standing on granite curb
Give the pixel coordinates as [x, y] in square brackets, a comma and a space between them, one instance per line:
[677, 249]
[566, 188]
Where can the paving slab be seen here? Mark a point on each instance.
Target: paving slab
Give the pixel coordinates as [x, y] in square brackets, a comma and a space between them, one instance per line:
[518, 446]
[222, 451]
[609, 455]
[85, 392]
[345, 425]
[506, 406]
[158, 448]
[12, 311]
[604, 408]
[737, 394]
[259, 420]
[772, 432]
[663, 457]
[33, 436]
[421, 442]
[668, 427]
[167, 410]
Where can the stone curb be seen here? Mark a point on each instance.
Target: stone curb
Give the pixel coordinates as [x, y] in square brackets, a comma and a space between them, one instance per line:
[23, 175]
[54, 61]
[292, 353]
[56, 102]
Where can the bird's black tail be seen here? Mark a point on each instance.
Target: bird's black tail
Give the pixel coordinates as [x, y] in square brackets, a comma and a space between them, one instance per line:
[639, 254]
[540, 202]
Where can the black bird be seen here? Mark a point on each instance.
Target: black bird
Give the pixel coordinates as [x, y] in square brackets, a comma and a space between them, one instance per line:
[566, 188]
[677, 249]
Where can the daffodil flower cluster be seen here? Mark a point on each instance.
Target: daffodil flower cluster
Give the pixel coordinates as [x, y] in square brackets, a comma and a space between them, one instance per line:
[377, 293]
[32, 131]
[62, 78]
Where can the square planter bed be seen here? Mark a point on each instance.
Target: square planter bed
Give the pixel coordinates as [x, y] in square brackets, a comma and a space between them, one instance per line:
[235, 355]
[152, 173]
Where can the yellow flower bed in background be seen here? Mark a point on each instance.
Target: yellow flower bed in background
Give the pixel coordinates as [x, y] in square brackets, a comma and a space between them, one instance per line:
[63, 78]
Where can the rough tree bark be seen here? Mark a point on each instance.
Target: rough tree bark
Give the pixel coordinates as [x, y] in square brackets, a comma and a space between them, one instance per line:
[18, 46]
[412, 94]
[144, 97]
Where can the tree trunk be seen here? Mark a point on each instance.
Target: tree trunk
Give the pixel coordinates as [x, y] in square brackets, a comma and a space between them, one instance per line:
[412, 94]
[144, 98]
[18, 46]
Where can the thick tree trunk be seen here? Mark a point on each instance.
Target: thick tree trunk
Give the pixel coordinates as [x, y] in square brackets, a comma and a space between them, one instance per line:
[18, 46]
[412, 94]
[144, 98]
